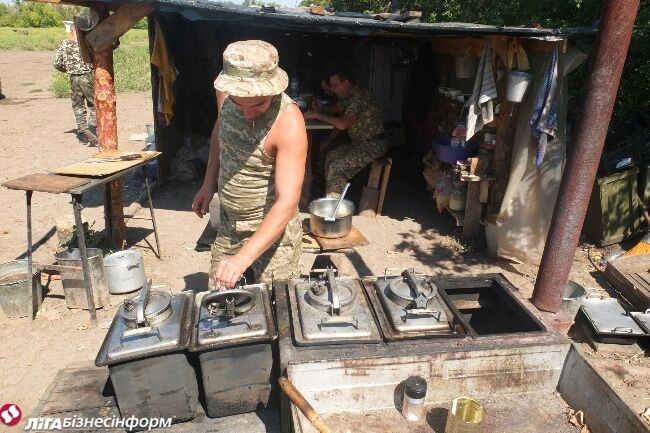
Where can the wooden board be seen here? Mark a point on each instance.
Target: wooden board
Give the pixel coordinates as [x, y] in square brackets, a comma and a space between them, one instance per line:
[629, 275]
[44, 182]
[354, 239]
[94, 169]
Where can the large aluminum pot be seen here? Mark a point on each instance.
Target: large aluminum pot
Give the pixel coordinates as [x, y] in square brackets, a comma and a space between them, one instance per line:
[323, 207]
[124, 271]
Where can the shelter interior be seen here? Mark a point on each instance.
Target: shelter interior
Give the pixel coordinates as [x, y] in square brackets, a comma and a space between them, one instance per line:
[410, 75]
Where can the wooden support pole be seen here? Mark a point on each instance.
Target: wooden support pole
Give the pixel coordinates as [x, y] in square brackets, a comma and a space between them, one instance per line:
[104, 35]
[105, 105]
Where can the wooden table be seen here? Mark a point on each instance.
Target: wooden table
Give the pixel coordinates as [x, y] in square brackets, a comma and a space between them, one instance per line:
[76, 186]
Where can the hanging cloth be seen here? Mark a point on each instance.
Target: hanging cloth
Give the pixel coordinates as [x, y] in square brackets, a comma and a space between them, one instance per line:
[544, 118]
[166, 73]
[481, 109]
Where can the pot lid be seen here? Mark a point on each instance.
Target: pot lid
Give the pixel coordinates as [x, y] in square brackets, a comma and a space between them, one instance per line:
[410, 290]
[147, 308]
[228, 303]
[330, 295]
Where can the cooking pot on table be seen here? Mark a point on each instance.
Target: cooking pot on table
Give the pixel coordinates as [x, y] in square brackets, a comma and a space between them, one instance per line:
[321, 208]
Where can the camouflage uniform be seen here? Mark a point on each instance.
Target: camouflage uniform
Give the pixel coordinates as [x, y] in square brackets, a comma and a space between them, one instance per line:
[247, 193]
[82, 85]
[367, 141]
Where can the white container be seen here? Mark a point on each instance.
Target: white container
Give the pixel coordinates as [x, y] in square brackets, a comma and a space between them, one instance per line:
[124, 271]
[415, 389]
[465, 66]
[518, 82]
[68, 26]
[491, 235]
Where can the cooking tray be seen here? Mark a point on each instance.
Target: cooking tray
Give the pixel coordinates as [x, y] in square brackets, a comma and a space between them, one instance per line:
[609, 322]
[643, 319]
[270, 334]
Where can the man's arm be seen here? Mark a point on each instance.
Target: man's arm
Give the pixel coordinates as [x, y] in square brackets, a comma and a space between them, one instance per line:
[289, 139]
[202, 200]
[58, 60]
[339, 122]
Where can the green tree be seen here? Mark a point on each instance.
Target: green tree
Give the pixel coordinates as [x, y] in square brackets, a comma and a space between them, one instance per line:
[38, 15]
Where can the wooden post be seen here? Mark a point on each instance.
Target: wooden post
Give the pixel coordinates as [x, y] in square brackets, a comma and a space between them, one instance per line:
[105, 105]
[506, 129]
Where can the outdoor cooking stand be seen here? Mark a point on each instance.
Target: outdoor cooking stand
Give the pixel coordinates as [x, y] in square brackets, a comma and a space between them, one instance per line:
[144, 350]
[409, 305]
[233, 333]
[331, 310]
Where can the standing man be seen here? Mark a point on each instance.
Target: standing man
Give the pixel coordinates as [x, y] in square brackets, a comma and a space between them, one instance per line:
[257, 160]
[82, 86]
[358, 112]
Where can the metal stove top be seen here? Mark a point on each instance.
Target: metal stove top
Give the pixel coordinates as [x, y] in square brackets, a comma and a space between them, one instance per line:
[232, 317]
[410, 305]
[331, 310]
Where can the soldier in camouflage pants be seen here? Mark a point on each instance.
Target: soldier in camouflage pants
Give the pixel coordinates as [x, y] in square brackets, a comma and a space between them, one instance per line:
[358, 112]
[82, 86]
[258, 151]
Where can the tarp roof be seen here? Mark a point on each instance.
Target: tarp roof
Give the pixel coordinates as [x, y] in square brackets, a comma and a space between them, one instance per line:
[300, 19]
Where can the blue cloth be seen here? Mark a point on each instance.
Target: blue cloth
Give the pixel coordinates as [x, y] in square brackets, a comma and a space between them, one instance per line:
[544, 118]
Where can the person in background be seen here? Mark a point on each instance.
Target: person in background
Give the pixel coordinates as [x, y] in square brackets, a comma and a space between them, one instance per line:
[257, 160]
[358, 112]
[82, 86]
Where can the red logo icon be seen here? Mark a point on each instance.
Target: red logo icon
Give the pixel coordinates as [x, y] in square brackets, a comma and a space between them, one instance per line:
[10, 414]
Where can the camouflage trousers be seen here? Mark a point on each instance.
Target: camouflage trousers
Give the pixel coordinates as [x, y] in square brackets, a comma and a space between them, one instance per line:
[344, 161]
[280, 261]
[82, 89]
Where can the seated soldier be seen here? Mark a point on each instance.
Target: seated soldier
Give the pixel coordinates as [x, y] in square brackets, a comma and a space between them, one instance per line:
[358, 112]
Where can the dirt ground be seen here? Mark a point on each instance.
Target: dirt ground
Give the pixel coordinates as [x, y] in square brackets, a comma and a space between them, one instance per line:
[37, 136]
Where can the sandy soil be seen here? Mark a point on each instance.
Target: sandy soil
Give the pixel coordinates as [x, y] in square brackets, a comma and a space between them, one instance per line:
[36, 136]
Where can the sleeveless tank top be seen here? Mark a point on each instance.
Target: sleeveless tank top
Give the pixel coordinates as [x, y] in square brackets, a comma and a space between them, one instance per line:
[246, 173]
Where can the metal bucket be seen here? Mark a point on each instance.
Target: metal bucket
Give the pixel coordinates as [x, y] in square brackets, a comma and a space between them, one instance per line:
[73, 281]
[573, 296]
[465, 416]
[15, 288]
[322, 207]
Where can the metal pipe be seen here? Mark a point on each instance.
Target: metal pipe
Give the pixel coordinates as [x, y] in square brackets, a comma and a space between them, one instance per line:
[32, 298]
[580, 172]
[153, 217]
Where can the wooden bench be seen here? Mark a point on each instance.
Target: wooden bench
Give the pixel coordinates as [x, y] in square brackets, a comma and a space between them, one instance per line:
[373, 195]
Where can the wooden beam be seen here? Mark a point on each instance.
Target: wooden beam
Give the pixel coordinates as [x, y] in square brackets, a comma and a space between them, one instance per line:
[122, 20]
[106, 108]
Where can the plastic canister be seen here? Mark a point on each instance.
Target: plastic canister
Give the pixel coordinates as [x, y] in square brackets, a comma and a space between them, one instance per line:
[415, 389]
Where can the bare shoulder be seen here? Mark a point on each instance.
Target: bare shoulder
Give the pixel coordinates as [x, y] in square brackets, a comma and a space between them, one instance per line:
[290, 129]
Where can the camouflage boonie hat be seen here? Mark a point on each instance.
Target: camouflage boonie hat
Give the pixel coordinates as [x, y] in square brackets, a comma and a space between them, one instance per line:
[250, 68]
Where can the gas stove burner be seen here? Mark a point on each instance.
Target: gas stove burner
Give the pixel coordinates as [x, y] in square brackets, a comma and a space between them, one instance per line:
[411, 291]
[228, 303]
[330, 295]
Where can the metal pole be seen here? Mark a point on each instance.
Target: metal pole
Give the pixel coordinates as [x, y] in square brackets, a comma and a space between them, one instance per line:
[580, 172]
[81, 240]
[153, 217]
[32, 296]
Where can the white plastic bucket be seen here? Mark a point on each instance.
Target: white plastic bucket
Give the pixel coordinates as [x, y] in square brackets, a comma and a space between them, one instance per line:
[465, 66]
[518, 82]
[68, 26]
[491, 235]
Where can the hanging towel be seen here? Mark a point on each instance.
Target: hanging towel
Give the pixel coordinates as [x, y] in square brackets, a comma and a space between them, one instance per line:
[481, 110]
[166, 73]
[544, 118]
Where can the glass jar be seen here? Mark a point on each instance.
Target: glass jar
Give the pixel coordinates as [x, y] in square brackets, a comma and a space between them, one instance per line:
[458, 195]
[415, 389]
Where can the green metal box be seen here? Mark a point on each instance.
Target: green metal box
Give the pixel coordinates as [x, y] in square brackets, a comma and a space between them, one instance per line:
[613, 214]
